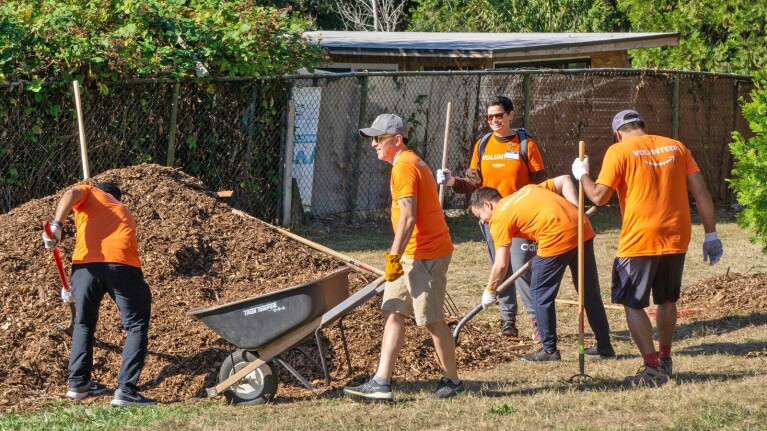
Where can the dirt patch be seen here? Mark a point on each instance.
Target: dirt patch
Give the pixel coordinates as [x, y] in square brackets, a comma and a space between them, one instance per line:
[196, 254]
[732, 291]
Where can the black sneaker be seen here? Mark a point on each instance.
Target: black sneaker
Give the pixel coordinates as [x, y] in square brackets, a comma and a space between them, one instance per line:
[594, 352]
[667, 364]
[127, 399]
[370, 391]
[90, 389]
[447, 389]
[543, 356]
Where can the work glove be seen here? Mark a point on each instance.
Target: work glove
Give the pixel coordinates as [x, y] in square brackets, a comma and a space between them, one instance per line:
[51, 243]
[393, 267]
[489, 298]
[445, 177]
[712, 248]
[580, 167]
[66, 295]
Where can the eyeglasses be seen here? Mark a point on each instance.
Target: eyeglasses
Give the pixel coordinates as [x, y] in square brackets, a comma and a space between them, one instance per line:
[490, 117]
[380, 138]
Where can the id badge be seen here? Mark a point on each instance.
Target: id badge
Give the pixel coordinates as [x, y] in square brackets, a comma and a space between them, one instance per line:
[511, 155]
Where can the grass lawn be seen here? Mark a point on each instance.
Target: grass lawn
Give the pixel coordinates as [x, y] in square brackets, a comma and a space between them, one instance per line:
[718, 385]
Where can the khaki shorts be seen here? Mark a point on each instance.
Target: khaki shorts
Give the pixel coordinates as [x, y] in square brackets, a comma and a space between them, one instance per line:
[420, 293]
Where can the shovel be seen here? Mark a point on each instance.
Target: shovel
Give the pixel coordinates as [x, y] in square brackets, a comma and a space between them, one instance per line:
[60, 267]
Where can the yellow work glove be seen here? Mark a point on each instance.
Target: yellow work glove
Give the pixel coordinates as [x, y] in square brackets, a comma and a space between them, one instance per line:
[393, 267]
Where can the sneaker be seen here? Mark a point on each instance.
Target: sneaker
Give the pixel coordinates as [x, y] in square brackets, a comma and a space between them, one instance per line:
[536, 334]
[370, 391]
[648, 376]
[447, 389]
[543, 356]
[124, 398]
[594, 352]
[90, 389]
[509, 329]
[667, 364]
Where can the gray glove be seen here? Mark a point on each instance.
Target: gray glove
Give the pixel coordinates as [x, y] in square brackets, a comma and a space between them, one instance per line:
[51, 243]
[66, 295]
[489, 298]
[712, 248]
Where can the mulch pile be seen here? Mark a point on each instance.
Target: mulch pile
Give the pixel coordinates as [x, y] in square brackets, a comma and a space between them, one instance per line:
[195, 253]
[732, 291]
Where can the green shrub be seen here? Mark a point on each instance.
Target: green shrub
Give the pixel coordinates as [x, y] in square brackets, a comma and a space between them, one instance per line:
[750, 173]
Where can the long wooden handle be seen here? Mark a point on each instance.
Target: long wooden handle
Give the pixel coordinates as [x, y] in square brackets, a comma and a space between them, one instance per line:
[56, 257]
[346, 259]
[81, 130]
[444, 152]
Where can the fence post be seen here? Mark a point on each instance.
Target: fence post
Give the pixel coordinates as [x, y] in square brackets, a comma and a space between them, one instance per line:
[287, 180]
[675, 108]
[356, 171]
[171, 155]
[526, 82]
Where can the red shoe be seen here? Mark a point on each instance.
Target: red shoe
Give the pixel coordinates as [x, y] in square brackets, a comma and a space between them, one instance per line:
[509, 329]
[536, 335]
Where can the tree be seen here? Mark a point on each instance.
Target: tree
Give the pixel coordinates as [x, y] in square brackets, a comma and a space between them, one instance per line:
[715, 35]
[750, 173]
[371, 15]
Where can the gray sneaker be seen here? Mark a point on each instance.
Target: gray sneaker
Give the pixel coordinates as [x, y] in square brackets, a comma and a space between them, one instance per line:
[447, 389]
[89, 389]
[369, 391]
[648, 376]
[124, 398]
[543, 356]
[668, 365]
[594, 352]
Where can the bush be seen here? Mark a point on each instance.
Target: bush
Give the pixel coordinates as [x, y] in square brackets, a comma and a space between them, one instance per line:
[750, 173]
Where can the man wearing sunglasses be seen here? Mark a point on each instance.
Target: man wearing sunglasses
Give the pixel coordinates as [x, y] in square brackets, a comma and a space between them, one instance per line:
[416, 263]
[652, 175]
[505, 166]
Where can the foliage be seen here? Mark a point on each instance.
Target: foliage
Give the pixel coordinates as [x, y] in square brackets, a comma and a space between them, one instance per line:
[715, 35]
[123, 39]
[515, 16]
[750, 173]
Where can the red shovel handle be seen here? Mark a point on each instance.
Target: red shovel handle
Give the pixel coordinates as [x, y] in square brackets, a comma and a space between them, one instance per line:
[56, 257]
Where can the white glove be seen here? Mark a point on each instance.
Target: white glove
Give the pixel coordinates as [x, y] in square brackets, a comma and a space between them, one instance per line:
[445, 177]
[712, 248]
[66, 295]
[489, 298]
[51, 243]
[580, 167]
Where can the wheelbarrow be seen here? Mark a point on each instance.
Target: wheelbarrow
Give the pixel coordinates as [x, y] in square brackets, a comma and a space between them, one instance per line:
[267, 326]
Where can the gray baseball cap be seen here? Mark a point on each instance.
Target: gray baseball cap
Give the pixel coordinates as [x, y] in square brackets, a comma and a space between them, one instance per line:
[625, 117]
[386, 124]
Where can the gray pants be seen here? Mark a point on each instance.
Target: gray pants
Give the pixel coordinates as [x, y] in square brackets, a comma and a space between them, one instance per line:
[522, 250]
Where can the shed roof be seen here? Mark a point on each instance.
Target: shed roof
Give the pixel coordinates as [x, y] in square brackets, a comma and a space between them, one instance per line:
[485, 45]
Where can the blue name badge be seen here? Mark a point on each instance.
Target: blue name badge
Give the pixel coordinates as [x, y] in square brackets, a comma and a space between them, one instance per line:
[511, 155]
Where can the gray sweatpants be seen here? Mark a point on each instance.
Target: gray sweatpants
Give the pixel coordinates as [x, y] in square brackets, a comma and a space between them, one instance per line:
[522, 250]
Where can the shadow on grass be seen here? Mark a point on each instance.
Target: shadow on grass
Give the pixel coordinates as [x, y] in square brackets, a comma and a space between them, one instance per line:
[699, 328]
[738, 349]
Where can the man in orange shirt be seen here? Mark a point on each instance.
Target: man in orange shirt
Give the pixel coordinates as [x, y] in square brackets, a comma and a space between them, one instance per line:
[652, 175]
[547, 214]
[416, 263]
[105, 261]
[509, 161]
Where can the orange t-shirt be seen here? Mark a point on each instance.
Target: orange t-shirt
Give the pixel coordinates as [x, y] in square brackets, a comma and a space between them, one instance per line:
[106, 230]
[411, 177]
[537, 212]
[650, 174]
[502, 165]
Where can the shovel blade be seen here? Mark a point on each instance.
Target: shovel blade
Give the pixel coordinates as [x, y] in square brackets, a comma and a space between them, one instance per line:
[68, 329]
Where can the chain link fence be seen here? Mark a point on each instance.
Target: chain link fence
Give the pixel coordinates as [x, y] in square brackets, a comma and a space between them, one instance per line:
[238, 134]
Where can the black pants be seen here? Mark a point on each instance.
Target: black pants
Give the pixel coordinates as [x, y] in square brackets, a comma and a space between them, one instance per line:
[126, 286]
[546, 277]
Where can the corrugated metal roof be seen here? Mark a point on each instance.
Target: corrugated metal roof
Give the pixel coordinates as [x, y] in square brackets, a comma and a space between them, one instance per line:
[480, 43]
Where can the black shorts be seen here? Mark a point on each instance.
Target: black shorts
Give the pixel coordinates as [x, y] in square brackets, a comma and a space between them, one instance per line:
[635, 277]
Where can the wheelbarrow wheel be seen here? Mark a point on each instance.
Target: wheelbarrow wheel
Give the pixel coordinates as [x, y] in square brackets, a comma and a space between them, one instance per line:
[258, 387]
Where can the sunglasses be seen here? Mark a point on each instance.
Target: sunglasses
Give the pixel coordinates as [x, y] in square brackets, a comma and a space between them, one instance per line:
[380, 138]
[490, 117]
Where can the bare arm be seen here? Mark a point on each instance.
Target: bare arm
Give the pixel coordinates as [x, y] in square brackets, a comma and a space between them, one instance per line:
[564, 186]
[67, 201]
[498, 271]
[703, 202]
[599, 194]
[407, 211]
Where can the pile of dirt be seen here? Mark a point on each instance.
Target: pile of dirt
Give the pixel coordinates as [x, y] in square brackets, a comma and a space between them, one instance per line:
[732, 291]
[195, 253]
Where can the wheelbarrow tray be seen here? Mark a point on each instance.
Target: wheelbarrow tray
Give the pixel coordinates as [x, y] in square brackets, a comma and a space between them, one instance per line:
[254, 322]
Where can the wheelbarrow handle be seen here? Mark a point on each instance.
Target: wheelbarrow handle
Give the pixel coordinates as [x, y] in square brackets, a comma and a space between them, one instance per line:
[56, 257]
